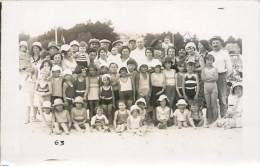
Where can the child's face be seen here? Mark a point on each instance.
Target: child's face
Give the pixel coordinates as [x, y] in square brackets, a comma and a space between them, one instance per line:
[121, 106]
[182, 52]
[59, 107]
[104, 45]
[23, 49]
[53, 50]
[135, 113]
[103, 54]
[144, 69]
[190, 50]
[216, 45]
[181, 107]
[92, 71]
[99, 112]
[74, 48]
[46, 66]
[157, 54]
[190, 67]
[92, 56]
[82, 49]
[131, 67]
[56, 74]
[106, 81]
[48, 57]
[163, 103]
[157, 69]
[113, 68]
[132, 45]
[46, 110]
[78, 105]
[57, 59]
[238, 91]
[209, 61]
[171, 52]
[149, 54]
[166, 40]
[123, 73]
[168, 65]
[141, 105]
[104, 70]
[114, 51]
[181, 68]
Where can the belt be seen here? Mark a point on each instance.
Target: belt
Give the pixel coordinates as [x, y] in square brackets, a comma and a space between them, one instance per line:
[69, 98]
[190, 88]
[222, 73]
[80, 91]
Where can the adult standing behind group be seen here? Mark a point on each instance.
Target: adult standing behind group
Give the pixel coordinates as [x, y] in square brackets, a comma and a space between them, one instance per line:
[139, 53]
[224, 67]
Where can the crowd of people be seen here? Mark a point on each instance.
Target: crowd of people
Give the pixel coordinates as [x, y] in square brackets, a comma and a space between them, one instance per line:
[122, 86]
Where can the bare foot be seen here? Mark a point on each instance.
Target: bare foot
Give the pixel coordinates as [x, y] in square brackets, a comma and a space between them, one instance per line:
[26, 122]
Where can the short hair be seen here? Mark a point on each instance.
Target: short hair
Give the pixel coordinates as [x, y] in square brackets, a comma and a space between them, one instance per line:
[124, 47]
[171, 48]
[150, 49]
[113, 63]
[209, 56]
[46, 61]
[100, 49]
[92, 50]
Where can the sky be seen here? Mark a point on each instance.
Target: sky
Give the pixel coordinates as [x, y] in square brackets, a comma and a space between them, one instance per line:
[201, 18]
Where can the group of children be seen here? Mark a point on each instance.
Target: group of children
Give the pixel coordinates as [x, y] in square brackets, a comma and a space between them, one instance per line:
[107, 97]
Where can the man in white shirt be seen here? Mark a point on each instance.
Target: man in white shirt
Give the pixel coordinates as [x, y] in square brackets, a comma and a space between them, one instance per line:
[139, 53]
[224, 67]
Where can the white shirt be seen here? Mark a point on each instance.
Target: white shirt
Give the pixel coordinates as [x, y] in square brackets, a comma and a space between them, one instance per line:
[222, 61]
[114, 58]
[138, 55]
[150, 63]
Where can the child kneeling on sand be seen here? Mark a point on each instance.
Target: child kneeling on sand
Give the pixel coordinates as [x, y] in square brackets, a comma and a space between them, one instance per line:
[134, 121]
[48, 116]
[182, 114]
[100, 121]
[120, 118]
[80, 115]
[163, 113]
[232, 119]
[62, 117]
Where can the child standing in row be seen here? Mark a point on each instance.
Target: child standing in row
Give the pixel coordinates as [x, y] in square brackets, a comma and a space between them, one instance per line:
[68, 89]
[93, 89]
[179, 80]
[80, 115]
[62, 117]
[107, 99]
[120, 118]
[209, 75]
[126, 86]
[113, 67]
[169, 77]
[143, 82]
[190, 82]
[56, 82]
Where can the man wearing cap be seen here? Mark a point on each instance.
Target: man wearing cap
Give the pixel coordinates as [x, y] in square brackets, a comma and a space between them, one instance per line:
[139, 53]
[224, 67]
[104, 43]
[117, 43]
[94, 43]
[132, 44]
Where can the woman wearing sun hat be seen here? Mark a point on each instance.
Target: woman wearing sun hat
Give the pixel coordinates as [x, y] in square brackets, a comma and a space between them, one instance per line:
[68, 61]
[53, 49]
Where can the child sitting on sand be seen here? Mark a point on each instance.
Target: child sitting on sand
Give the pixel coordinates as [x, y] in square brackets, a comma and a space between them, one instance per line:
[100, 121]
[232, 119]
[197, 114]
[120, 118]
[80, 115]
[48, 116]
[62, 117]
[181, 114]
[163, 112]
[134, 121]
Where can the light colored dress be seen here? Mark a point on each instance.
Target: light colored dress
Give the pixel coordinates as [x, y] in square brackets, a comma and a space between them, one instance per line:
[93, 93]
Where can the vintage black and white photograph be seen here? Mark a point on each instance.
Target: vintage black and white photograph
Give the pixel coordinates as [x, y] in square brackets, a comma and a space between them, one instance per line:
[126, 82]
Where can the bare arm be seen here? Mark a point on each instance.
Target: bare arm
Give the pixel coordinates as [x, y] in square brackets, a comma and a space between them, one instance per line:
[198, 86]
[115, 119]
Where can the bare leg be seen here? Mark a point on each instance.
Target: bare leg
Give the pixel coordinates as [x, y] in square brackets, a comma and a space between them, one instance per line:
[76, 125]
[57, 128]
[110, 113]
[65, 128]
[179, 124]
[185, 124]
